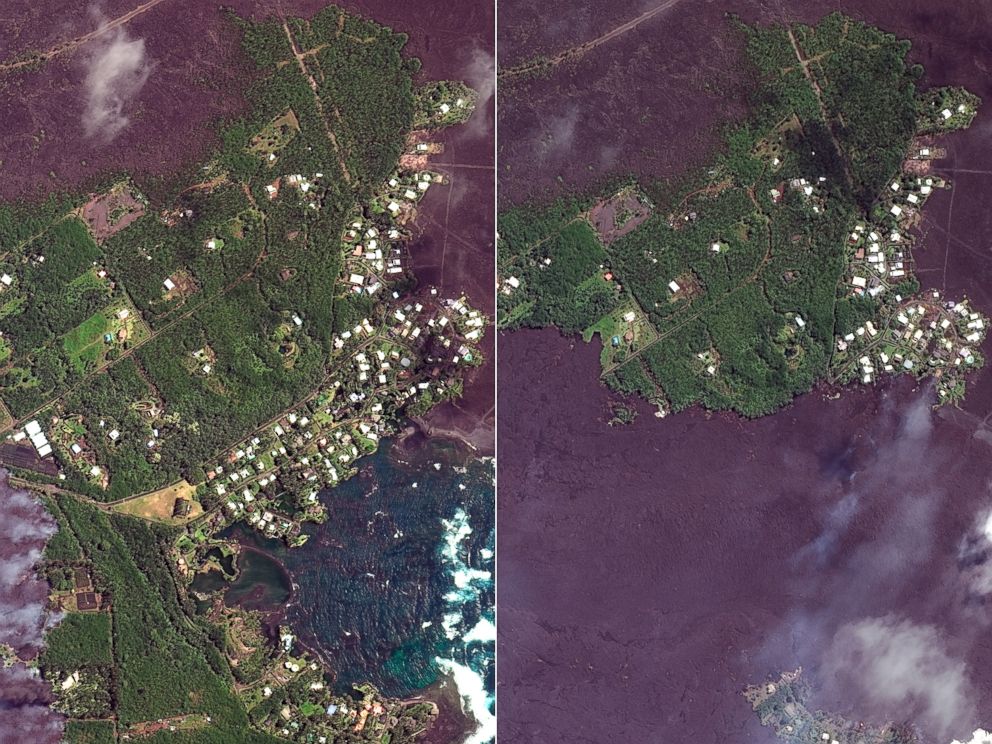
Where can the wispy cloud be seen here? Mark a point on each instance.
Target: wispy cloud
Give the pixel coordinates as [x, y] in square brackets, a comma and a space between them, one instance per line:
[117, 68]
[879, 535]
[24, 711]
[902, 671]
[480, 74]
[975, 557]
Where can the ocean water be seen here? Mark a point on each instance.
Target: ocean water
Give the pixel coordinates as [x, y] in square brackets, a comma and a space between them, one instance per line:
[397, 587]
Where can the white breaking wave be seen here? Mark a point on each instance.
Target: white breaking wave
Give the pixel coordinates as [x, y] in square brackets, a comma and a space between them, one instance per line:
[469, 585]
[450, 623]
[483, 632]
[475, 700]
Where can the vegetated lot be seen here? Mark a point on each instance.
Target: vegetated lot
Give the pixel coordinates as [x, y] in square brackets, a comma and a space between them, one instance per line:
[195, 320]
[741, 274]
[206, 268]
[80, 639]
[625, 331]
[103, 336]
[276, 135]
[90, 732]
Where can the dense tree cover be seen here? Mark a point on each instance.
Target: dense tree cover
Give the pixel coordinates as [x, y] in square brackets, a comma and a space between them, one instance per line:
[870, 95]
[80, 639]
[567, 281]
[527, 225]
[20, 222]
[243, 263]
[47, 271]
[363, 82]
[756, 245]
[522, 231]
[63, 545]
[90, 732]
[151, 251]
[164, 662]
[867, 88]
[367, 88]
[779, 82]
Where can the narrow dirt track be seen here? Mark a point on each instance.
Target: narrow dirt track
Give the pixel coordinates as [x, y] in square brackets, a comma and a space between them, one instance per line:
[580, 49]
[69, 46]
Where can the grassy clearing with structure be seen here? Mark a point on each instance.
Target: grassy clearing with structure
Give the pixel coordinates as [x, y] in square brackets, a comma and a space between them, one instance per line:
[161, 506]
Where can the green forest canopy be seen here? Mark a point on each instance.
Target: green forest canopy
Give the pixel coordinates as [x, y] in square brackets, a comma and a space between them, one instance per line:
[746, 262]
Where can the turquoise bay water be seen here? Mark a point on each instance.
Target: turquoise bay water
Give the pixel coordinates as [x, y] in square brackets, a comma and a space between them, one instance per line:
[397, 587]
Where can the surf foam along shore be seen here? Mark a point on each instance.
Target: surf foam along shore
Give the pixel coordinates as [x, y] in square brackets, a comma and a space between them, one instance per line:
[471, 652]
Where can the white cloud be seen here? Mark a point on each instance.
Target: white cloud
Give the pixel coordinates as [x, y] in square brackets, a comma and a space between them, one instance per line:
[902, 671]
[116, 70]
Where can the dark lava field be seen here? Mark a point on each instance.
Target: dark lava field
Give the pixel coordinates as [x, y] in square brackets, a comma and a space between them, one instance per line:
[649, 573]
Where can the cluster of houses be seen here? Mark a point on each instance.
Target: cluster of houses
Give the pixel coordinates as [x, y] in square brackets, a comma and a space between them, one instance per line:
[917, 336]
[811, 192]
[372, 246]
[954, 113]
[509, 285]
[921, 336]
[318, 716]
[880, 252]
[369, 258]
[316, 444]
[782, 706]
[403, 191]
[878, 260]
[450, 109]
[245, 482]
[308, 186]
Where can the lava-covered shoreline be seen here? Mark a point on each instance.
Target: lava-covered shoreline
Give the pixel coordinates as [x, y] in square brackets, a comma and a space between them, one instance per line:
[650, 572]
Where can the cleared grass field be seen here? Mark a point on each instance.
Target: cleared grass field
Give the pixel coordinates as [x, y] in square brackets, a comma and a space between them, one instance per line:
[621, 337]
[277, 134]
[88, 344]
[157, 506]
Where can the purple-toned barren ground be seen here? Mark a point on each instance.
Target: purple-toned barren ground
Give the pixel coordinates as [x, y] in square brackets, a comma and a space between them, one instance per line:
[649, 572]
